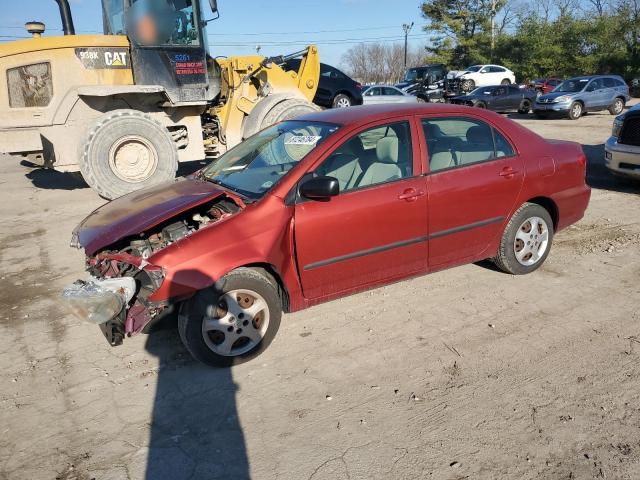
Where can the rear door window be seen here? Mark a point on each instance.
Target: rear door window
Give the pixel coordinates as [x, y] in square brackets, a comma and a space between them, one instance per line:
[457, 142]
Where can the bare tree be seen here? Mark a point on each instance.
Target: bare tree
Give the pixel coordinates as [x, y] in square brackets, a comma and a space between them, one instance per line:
[379, 62]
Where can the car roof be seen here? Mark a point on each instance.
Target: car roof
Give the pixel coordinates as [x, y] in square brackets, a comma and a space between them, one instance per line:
[372, 113]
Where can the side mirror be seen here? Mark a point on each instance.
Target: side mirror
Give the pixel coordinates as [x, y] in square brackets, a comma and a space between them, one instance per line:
[320, 188]
[214, 6]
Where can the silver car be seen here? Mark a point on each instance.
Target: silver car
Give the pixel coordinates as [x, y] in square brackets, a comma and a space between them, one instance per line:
[622, 150]
[377, 94]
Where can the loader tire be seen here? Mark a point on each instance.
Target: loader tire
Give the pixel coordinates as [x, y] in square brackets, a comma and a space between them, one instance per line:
[287, 110]
[125, 151]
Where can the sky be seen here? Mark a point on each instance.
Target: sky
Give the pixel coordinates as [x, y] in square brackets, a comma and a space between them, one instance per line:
[279, 26]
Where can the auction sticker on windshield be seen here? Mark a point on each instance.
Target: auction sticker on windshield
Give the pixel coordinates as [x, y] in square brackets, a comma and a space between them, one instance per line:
[303, 140]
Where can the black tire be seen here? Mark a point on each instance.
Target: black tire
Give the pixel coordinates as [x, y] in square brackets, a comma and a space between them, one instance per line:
[99, 157]
[525, 106]
[505, 81]
[193, 313]
[617, 106]
[506, 258]
[480, 105]
[576, 110]
[287, 110]
[342, 101]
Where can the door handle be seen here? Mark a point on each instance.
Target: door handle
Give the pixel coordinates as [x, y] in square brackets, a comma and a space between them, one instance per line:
[410, 194]
[508, 172]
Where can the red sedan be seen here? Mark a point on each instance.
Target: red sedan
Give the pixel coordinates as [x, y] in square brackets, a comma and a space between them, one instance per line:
[320, 207]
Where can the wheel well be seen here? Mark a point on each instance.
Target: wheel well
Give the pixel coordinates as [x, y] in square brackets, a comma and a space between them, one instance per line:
[272, 274]
[343, 92]
[621, 98]
[550, 206]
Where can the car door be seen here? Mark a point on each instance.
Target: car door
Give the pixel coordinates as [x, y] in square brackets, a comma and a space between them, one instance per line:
[500, 99]
[371, 96]
[375, 229]
[595, 97]
[474, 179]
[514, 98]
[393, 95]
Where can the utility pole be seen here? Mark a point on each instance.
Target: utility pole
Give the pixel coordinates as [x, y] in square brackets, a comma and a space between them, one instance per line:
[258, 48]
[493, 26]
[407, 28]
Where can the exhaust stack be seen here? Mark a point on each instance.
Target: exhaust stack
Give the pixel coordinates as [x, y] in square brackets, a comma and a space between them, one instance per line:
[65, 16]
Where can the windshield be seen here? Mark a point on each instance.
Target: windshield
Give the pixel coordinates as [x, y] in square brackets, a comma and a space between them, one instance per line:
[474, 68]
[414, 74]
[256, 165]
[152, 23]
[482, 91]
[572, 86]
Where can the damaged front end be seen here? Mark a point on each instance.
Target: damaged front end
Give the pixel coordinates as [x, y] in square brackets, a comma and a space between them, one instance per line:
[122, 275]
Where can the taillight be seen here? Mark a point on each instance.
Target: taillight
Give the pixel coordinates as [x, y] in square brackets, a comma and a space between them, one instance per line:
[582, 160]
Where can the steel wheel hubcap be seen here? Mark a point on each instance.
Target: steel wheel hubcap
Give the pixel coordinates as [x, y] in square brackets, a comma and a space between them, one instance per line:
[343, 103]
[236, 324]
[532, 241]
[133, 159]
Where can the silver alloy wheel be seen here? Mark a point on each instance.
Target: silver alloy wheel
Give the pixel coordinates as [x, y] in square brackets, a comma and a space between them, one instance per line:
[133, 159]
[343, 103]
[532, 241]
[618, 106]
[237, 324]
[576, 110]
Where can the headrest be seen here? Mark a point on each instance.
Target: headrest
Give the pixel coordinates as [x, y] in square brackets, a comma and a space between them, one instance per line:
[387, 150]
[479, 134]
[432, 131]
[353, 147]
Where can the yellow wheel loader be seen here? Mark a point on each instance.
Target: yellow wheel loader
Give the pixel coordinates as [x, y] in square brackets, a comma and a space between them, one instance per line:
[124, 108]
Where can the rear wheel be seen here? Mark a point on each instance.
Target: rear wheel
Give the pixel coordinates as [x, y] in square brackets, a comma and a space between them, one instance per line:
[525, 106]
[505, 81]
[126, 150]
[575, 111]
[526, 240]
[342, 101]
[287, 110]
[232, 322]
[617, 107]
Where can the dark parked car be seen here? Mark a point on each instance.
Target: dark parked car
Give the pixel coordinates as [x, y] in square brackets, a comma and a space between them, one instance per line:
[499, 98]
[320, 207]
[425, 82]
[336, 89]
[576, 96]
[544, 85]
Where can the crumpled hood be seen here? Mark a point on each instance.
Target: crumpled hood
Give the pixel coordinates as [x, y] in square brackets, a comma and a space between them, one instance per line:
[403, 85]
[457, 73]
[136, 212]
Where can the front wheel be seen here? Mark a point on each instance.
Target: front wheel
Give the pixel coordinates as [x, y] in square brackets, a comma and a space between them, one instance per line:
[468, 85]
[481, 105]
[232, 322]
[575, 111]
[526, 240]
[505, 81]
[342, 101]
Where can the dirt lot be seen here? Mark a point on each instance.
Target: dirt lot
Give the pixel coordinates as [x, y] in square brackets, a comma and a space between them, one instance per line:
[464, 374]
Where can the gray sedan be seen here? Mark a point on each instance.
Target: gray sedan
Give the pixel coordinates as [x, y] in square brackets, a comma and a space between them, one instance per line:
[376, 94]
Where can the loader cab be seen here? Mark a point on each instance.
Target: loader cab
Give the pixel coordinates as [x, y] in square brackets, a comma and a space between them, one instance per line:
[168, 46]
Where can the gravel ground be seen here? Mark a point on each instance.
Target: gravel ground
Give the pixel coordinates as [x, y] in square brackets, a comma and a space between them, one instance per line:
[464, 374]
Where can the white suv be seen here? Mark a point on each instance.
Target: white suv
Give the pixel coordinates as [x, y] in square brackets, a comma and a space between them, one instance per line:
[459, 81]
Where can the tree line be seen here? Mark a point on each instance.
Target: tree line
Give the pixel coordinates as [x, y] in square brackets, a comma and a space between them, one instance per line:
[534, 39]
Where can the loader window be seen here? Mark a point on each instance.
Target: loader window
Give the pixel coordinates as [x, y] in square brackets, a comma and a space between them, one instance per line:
[256, 165]
[113, 17]
[164, 22]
